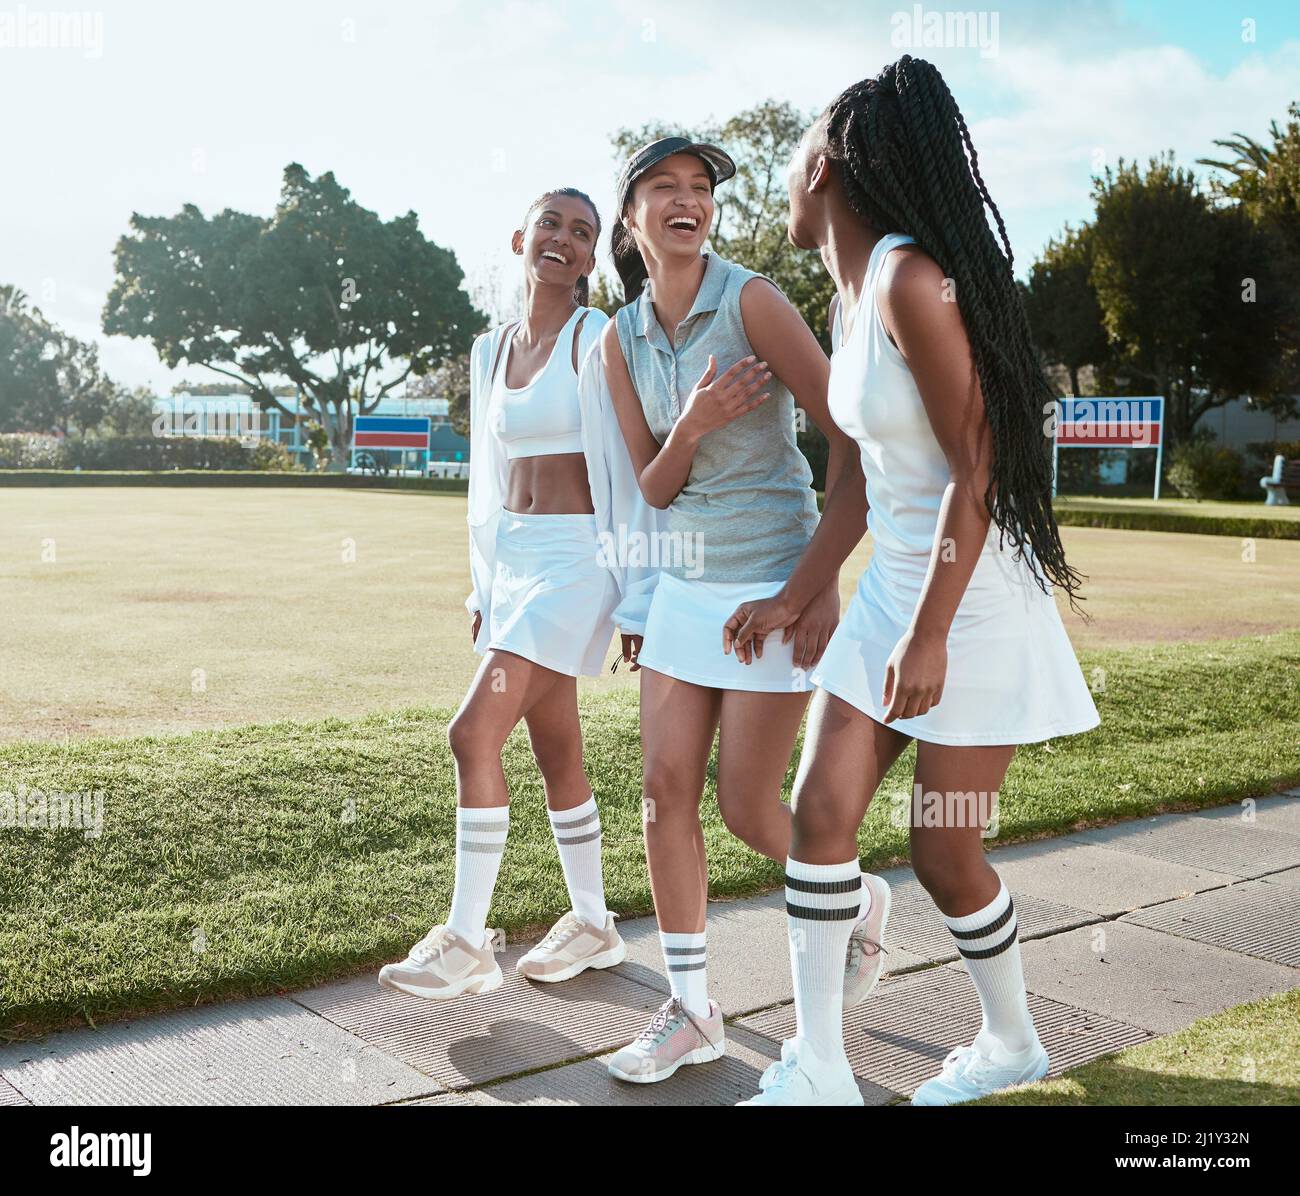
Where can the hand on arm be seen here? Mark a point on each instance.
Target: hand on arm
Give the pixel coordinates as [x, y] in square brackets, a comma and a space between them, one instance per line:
[808, 605]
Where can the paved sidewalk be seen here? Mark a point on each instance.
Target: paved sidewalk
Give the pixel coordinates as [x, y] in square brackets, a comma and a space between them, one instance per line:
[1127, 932]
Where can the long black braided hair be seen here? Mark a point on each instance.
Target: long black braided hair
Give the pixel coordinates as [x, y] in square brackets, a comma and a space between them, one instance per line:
[907, 164]
[581, 289]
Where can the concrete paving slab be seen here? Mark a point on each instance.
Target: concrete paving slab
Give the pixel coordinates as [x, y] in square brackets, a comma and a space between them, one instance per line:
[916, 925]
[263, 1052]
[519, 1027]
[1145, 977]
[9, 1095]
[749, 954]
[1289, 877]
[1255, 918]
[900, 1037]
[1098, 879]
[1217, 845]
[1280, 813]
[732, 1078]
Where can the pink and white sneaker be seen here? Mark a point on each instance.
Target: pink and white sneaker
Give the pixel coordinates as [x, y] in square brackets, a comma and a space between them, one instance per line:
[865, 958]
[674, 1037]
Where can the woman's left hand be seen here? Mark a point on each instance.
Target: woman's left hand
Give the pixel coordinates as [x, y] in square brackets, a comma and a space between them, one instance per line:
[752, 623]
[914, 675]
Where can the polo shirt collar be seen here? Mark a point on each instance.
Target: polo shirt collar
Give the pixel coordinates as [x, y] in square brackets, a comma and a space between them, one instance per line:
[707, 298]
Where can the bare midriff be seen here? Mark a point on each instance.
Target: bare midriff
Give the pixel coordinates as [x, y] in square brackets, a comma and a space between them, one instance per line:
[555, 484]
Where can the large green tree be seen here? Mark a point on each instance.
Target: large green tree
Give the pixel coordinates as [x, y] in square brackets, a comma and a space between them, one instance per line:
[49, 380]
[323, 294]
[1062, 305]
[1263, 181]
[1189, 293]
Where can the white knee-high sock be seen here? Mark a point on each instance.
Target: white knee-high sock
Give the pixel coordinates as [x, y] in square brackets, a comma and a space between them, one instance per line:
[577, 836]
[987, 940]
[822, 903]
[684, 957]
[480, 840]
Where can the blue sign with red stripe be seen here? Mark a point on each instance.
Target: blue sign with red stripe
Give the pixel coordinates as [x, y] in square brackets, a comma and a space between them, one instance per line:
[1111, 422]
[392, 431]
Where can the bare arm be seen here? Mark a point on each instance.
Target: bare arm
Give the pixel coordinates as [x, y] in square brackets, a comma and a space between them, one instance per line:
[779, 335]
[662, 470]
[931, 335]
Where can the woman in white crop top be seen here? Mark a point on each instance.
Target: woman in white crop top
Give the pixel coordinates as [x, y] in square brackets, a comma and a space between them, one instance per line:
[952, 639]
[541, 614]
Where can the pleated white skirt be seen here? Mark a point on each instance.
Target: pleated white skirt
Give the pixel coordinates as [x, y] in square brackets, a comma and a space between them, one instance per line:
[1012, 673]
[552, 601]
[683, 638]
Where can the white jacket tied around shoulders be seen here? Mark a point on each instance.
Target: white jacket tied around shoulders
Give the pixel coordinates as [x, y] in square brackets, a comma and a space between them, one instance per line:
[628, 528]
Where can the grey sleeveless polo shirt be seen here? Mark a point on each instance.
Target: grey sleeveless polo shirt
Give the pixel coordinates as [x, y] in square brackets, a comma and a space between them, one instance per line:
[748, 509]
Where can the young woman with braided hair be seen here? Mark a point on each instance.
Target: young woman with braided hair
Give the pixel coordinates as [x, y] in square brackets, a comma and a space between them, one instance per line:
[953, 637]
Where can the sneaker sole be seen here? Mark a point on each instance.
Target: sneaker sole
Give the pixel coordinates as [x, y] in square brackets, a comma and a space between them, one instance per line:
[845, 1098]
[704, 1054]
[884, 925]
[606, 959]
[1039, 1072]
[470, 987]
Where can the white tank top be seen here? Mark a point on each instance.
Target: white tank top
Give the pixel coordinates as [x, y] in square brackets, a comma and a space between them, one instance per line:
[873, 398]
[541, 418]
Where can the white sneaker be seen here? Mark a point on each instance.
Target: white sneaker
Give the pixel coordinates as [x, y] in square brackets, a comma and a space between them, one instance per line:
[801, 1077]
[443, 965]
[969, 1073]
[865, 958]
[572, 946]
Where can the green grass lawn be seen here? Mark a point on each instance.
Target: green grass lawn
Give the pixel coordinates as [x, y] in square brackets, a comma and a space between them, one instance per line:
[267, 857]
[1247, 1055]
[302, 604]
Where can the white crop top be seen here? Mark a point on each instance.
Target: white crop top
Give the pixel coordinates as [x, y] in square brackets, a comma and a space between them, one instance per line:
[542, 418]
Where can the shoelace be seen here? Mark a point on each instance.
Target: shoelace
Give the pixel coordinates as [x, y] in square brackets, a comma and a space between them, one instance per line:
[665, 1015]
[429, 946]
[857, 948]
[562, 932]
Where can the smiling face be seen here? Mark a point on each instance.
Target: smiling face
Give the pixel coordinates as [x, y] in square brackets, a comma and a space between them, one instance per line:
[558, 242]
[670, 209]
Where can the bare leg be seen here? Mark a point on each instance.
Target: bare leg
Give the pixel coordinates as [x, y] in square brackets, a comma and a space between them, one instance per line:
[678, 722]
[504, 689]
[949, 860]
[845, 757]
[756, 736]
[556, 737]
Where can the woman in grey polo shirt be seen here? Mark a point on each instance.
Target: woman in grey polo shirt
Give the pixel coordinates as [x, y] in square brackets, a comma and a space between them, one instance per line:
[705, 366]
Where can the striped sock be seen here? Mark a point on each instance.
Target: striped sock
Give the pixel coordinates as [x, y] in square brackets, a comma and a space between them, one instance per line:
[577, 835]
[684, 958]
[480, 840]
[822, 902]
[987, 940]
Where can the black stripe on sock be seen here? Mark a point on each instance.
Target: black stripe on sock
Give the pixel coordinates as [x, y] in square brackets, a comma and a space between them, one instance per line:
[989, 952]
[996, 924]
[811, 914]
[823, 886]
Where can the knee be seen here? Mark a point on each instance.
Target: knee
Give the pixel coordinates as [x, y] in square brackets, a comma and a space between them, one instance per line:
[948, 880]
[470, 738]
[670, 792]
[819, 823]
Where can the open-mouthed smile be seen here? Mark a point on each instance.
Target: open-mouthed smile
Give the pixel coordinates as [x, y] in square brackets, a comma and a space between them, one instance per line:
[550, 255]
[684, 225]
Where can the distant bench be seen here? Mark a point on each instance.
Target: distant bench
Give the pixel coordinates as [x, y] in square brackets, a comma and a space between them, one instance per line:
[1285, 477]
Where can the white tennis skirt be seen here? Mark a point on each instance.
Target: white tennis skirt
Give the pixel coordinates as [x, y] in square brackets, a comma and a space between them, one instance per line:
[552, 601]
[683, 638]
[1012, 673]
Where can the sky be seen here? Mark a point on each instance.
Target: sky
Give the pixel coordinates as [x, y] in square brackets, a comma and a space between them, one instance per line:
[465, 110]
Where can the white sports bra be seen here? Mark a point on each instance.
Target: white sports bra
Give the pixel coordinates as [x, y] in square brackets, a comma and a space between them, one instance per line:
[542, 418]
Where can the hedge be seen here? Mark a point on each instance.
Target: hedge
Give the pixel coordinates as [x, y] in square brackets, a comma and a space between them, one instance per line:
[226, 477]
[1240, 526]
